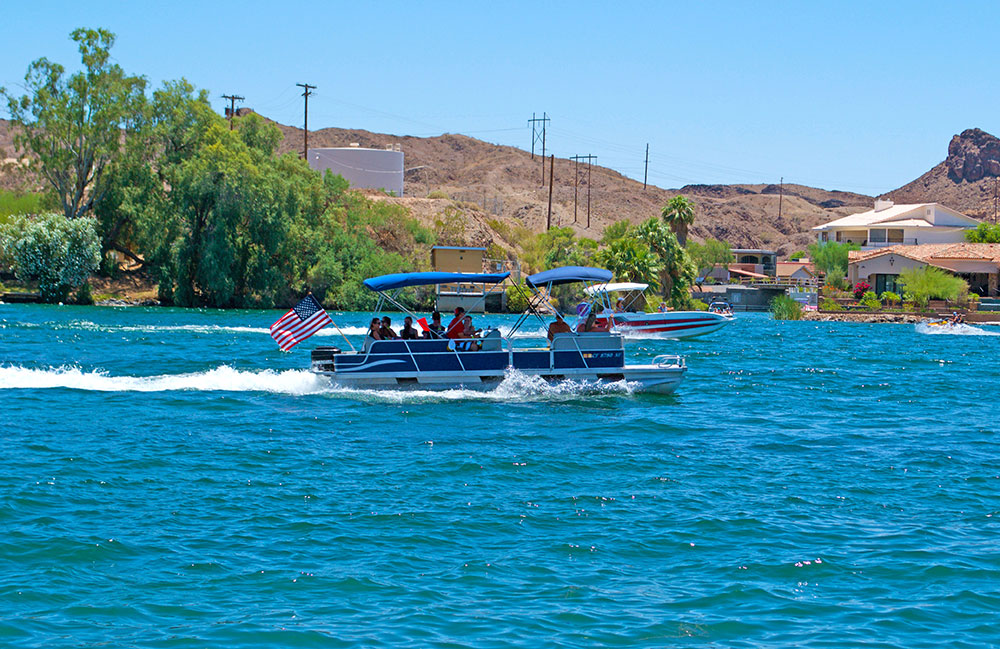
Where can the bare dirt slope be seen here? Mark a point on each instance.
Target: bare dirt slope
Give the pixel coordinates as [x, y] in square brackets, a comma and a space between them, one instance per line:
[486, 182]
[507, 184]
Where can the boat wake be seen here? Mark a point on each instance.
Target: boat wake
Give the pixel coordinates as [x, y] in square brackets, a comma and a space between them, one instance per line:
[953, 330]
[516, 387]
[222, 378]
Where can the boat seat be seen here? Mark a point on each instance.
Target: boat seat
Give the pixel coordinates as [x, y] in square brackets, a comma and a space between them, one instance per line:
[368, 343]
[492, 342]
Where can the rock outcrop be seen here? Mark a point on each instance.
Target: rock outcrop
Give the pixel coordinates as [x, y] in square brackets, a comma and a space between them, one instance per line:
[973, 154]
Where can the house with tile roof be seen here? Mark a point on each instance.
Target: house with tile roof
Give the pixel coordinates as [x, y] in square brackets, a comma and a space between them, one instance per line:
[976, 263]
[895, 225]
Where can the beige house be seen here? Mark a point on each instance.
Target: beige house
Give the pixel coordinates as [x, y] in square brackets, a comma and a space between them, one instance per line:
[894, 225]
[802, 271]
[976, 263]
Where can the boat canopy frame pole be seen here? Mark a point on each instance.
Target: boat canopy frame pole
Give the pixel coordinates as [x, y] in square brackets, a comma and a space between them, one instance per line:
[391, 298]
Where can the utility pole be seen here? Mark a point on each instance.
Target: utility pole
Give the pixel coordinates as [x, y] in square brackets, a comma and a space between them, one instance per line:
[781, 194]
[589, 158]
[232, 107]
[645, 173]
[552, 166]
[576, 182]
[539, 132]
[305, 126]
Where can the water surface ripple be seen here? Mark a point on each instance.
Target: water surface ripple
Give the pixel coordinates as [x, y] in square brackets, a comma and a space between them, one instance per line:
[172, 479]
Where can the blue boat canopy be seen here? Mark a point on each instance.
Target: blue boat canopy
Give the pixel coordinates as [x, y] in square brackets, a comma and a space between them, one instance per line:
[401, 280]
[568, 275]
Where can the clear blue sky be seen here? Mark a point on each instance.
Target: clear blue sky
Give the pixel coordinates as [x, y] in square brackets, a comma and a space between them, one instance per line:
[860, 96]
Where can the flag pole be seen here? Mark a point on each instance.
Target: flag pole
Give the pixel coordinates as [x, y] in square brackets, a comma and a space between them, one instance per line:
[346, 339]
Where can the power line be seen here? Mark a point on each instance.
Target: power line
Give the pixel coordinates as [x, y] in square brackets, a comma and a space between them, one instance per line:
[232, 107]
[305, 126]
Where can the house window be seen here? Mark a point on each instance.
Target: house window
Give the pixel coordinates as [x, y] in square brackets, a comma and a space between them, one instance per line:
[824, 237]
[885, 283]
[895, 235]
[877, 236]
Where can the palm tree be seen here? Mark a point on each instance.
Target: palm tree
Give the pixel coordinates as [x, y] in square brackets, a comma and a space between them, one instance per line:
[679, 213]
[630, 260]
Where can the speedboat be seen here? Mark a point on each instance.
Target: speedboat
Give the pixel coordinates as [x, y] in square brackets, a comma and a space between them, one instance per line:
[597, 357]
[668, 324]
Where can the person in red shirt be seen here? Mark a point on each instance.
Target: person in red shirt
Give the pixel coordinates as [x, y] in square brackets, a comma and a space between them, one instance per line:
[455, 328]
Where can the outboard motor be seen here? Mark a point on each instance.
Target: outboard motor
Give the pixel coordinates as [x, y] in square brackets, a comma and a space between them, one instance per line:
[322, 358]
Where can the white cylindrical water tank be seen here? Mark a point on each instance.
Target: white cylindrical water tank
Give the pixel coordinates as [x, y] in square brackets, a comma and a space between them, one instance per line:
[367, 168]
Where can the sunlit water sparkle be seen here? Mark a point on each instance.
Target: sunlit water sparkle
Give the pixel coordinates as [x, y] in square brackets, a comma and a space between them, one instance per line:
[172, 479]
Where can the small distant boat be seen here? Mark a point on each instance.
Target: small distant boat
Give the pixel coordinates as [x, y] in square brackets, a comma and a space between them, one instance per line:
[668, 324]
[443, 363]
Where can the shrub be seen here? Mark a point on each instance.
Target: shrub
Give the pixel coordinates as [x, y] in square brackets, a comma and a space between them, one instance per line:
[437, 193]
[698, 305]
[798, 254]
[517, 301]
[861, 288]
[828, 304]
[870, 301]
[929, 283]
[785, 308]
[58, 253]
[890, 298]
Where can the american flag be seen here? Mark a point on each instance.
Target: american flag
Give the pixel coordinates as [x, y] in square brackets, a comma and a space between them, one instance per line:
[302, 320]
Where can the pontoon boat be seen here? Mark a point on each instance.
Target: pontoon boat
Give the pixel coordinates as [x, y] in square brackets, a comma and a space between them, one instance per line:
[442, 363]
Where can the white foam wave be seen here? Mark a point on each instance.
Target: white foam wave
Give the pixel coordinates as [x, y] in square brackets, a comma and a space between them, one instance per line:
[223, 378]
[516, 387]
[953, 330]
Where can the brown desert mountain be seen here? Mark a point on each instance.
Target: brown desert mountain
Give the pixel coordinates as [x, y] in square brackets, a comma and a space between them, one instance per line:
[966, 180]
[488, 183]
[506, 184]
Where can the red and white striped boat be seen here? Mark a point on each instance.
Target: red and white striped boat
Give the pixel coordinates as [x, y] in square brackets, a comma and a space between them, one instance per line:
[662, 324]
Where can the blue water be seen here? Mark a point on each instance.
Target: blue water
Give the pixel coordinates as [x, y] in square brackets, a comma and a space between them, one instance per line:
[170, 479]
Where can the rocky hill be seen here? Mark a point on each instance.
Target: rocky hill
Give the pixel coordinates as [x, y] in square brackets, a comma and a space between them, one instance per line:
[966, 180]
[489, 184]
[506, 184]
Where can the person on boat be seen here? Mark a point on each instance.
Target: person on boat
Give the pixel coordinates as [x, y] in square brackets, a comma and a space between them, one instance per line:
[455, 327]
[591, 324]
[663, 308]
[375, 329]
[558, 326]
[620, 305]
[386, 330]
[468, 330]
[408, 332]
[435, 329]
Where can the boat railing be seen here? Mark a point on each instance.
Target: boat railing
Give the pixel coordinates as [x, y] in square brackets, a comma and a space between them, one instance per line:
[669, 360]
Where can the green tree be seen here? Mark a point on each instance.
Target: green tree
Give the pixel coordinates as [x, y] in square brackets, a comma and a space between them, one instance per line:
[630, 260]
[74, 126]
[677, 270]
[54, 251]
[984, 233]
[707, 255]
[679, 214]
[930, 283]
[831, 258]
[615, 231]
